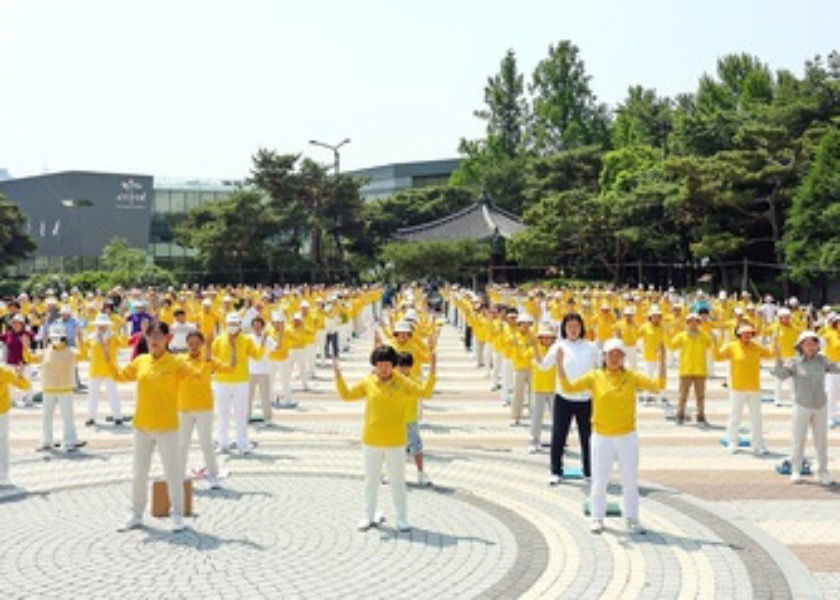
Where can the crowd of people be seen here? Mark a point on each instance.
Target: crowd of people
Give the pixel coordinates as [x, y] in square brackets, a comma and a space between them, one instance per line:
[593, 355]
[201, 357]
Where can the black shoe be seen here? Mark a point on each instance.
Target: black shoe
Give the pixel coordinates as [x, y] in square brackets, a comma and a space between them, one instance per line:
[90, 423]
[118, 422]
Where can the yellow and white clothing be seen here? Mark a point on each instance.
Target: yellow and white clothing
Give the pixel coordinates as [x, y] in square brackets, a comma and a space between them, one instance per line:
[7, 378]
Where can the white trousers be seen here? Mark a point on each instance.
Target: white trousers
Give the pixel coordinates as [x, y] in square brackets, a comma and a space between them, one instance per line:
[652, 372]
[832, 388]
[540, 401]
[489, 359]
[737, 401]
[298, 359]
[777, 389]
[144, 444]
[631, 357]
[507, 380]
[261, 382]
[4, 449]
[232, 396]
[607, 449]
[310, 353]
[395, 460]
[65, 404]
[283, 372]
[497, 367]
[203, 421]
[320, 339]
[802, 418]
[95, 391]
[710, 363]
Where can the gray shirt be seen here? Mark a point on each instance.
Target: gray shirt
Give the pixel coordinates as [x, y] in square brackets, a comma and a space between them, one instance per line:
[808, 378]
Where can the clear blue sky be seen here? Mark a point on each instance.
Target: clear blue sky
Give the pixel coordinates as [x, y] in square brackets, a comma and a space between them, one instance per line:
[191, 88]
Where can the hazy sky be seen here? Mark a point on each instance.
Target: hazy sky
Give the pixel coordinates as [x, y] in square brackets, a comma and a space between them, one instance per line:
[192, 88]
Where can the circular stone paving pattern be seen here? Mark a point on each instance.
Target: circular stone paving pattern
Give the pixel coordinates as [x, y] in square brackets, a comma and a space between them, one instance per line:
[268, 536]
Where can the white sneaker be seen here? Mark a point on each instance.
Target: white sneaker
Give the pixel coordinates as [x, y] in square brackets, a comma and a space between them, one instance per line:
[826, 479]
[634, 527]
[423, 479]
[795, 477]
[732, 448]
[132, 523]
[403, 526]
[214, 483]
[596, 525]
[555, 480]
[761, 451]
[534, 449]
[177, 524]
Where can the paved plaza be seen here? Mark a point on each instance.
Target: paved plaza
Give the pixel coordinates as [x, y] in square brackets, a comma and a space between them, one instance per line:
[719, 525]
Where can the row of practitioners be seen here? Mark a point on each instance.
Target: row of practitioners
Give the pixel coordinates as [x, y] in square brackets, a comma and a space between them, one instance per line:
[690, 341]
[598, 391]
[289, 350]
[553, 304]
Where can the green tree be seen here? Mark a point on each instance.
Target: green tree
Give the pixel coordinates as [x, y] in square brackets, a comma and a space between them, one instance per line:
[311, 205]
[811, 244]
[15, 243]
[117, 255]
[236, 238]
[643, 119]
[449, 261]
[495, 164]
[566, 113]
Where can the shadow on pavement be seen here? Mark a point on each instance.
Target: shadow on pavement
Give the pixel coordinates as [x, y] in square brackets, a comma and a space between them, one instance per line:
[198, 540]
[426, 537]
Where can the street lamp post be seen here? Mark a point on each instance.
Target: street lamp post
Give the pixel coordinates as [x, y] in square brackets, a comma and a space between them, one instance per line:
[335, 150]
[336, 165]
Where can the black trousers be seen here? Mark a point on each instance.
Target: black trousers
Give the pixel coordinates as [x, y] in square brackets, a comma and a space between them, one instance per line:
[331, 342]
[468, 338]
[563, 412]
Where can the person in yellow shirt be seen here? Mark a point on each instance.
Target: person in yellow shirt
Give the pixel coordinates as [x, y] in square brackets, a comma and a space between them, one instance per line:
[298, 338]
[521, 353]
[415, 443]
[281, 361]
[384, 435]
[831, 340]
[8, 377]
[542, 384]
[744, 356]
[693, 345]
[158, 375]
[652, 335]
[628, 332]
[605, 324]
[232, 387]
[784, 332]
[195, 403]
[99, 371]
[614, 434]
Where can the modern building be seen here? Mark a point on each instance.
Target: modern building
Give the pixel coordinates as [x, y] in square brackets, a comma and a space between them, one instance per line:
[77, 213]
[386, 180]
[172, 200]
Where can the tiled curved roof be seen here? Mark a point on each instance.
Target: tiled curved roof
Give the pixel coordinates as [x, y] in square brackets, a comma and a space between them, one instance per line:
[476, 222]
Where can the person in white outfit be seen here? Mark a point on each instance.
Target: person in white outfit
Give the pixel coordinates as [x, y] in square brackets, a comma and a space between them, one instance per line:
[808, 370]
[259, 380]
[58, 377]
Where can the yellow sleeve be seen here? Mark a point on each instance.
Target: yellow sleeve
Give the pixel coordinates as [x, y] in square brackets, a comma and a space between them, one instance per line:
[429, 388]
[648, 383]
[29, 357]
[581, 384]
[357, 392]
[127, 373]
[12, 378]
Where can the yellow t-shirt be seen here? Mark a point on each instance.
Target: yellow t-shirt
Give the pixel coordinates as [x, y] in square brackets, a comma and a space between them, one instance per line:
[693, 352]
[613, 398]
[196, 393]
[412, 403]
[385, 410]
[744, 364]
[7, 378]
[246, 348]
[652, 336]
[543, 379]
[158, 382]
